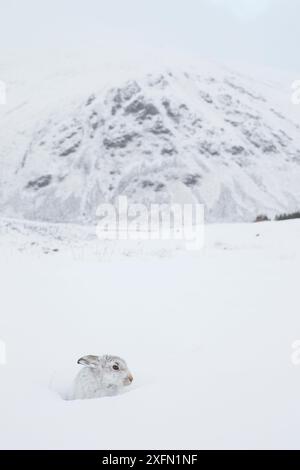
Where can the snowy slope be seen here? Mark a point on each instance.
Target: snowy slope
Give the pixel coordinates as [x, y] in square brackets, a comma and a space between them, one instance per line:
[211, 371]
[77, 133]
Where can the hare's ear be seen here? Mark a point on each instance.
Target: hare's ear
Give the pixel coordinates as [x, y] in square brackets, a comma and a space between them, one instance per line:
[90, 361]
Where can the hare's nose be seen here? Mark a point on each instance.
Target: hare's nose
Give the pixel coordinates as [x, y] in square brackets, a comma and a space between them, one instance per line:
[130, 378]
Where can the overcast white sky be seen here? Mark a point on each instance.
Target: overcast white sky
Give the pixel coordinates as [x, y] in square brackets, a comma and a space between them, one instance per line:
[254, 31]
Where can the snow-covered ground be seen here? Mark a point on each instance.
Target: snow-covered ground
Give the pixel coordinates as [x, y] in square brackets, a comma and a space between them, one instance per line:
[208, 337]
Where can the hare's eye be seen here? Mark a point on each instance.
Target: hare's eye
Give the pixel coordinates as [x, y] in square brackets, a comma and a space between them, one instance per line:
[116, 367]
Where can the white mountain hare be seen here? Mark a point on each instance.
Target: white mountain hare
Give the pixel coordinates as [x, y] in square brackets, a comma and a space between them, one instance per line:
[101, 376]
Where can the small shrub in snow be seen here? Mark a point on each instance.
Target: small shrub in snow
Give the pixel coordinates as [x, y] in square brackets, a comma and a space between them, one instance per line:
[262, 218]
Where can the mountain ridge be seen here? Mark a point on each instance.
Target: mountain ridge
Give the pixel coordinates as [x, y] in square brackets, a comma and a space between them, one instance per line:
[229, 141]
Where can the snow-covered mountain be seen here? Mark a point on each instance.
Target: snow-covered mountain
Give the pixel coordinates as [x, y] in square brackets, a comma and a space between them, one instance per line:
[220, 137]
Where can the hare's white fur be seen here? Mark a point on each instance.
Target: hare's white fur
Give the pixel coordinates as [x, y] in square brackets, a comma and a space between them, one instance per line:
[101, 376]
